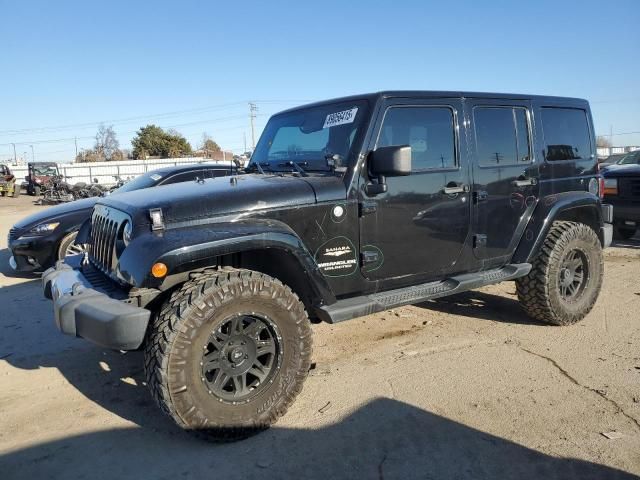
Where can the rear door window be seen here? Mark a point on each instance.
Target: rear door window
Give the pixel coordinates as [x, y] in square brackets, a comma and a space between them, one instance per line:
[566, 134]
[502, 136]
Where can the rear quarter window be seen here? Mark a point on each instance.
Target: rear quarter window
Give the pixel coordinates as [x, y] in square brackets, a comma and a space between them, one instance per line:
[566, 134]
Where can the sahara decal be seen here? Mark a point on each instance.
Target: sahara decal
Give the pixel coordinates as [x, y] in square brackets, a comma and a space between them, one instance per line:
[337, 257]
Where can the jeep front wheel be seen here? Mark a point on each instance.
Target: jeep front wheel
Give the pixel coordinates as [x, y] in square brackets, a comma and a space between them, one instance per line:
[566, 276]
[228, 353]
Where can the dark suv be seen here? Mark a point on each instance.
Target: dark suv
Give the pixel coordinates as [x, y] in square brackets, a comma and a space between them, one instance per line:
[348, 207]
[622, 190]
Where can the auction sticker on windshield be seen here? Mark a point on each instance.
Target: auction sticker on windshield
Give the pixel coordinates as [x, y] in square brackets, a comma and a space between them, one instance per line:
[340, 118]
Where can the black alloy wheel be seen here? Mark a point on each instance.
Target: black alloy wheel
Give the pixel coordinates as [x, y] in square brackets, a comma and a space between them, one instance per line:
[241, 357]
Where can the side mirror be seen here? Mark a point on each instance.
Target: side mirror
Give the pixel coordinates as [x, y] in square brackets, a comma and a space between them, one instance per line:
[393, 161]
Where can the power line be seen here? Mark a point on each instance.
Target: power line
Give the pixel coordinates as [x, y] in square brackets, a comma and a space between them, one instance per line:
[619, 133]
[121, 120]
[70, 139]
[141, 117]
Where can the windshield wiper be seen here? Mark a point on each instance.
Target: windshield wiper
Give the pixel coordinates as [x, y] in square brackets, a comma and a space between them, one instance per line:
[297, 166]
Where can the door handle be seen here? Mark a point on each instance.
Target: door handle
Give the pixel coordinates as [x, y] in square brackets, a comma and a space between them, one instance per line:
[525, 182]
[453, 189]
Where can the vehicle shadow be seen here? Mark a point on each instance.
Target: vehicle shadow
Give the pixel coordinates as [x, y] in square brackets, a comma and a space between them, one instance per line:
[485, 306]
[383, 439]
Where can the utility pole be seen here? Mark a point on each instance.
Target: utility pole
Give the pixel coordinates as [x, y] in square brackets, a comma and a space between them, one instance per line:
[610, 136]
[252, 116]
[15, 158]
[75, 139]
[244, 136]
[33, 154]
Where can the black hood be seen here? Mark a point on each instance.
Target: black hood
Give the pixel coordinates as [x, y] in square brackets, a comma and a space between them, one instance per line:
[615, 171]
[50, 214]
[226, 195]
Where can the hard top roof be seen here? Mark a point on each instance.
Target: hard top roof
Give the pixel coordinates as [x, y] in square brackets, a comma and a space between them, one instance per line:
[385, 94]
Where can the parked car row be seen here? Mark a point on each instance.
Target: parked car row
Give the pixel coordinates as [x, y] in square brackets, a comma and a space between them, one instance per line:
[39, 240]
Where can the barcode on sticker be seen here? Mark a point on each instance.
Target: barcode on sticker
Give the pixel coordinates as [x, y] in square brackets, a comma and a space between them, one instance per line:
[340, 118]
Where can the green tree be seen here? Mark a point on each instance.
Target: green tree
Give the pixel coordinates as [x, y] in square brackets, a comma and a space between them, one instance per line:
[209, 145]
[153, 141]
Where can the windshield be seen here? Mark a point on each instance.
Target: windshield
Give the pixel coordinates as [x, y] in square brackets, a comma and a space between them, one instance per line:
[630, 159]
[44, 170]
[143, 181]
[310, 136]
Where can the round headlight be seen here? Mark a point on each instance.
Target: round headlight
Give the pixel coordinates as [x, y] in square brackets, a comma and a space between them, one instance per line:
[126, 232]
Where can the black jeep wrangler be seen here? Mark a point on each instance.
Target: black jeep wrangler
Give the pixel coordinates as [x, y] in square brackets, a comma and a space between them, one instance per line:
[348, 207]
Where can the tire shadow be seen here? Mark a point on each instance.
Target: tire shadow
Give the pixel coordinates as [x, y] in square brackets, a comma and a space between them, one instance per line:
[383, 439]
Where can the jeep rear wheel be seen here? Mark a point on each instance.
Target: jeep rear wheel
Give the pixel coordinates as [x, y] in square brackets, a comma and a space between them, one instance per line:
[566, 276]
[228, 353]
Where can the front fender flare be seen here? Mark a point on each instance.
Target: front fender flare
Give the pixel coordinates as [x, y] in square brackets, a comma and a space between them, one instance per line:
[191, 248]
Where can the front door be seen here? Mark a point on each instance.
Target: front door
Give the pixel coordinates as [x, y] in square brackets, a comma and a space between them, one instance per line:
[419, 226]
[505, 175]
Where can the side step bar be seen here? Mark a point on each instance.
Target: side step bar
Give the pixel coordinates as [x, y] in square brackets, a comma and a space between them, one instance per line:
[355, 307]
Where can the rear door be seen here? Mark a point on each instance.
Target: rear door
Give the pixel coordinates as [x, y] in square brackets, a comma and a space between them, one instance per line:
[505, 175]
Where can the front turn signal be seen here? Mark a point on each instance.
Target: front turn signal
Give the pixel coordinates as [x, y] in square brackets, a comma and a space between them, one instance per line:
[159, 270]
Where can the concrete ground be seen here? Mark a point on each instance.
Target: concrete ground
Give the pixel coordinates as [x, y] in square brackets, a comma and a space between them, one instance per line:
[463, 387]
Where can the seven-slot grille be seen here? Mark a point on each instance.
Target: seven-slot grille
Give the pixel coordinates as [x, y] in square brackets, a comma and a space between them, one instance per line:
[629, 187]
[105, 228]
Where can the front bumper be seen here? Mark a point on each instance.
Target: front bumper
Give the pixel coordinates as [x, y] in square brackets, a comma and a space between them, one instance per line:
[83, 311]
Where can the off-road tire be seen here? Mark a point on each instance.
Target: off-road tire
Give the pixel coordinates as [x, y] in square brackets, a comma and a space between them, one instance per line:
[539, 291]
[623, 233]
[179, 333]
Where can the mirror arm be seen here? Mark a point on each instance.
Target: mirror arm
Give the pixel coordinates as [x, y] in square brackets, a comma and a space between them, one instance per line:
[373, 189]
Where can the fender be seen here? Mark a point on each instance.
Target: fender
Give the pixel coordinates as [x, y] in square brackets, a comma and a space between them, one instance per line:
[566, 206]
[191, 248]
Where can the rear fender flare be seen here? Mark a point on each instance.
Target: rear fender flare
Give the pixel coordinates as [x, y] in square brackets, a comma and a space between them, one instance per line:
[581, 206]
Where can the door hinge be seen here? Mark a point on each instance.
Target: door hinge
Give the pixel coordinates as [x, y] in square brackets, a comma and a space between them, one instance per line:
[479, 241]
[480, 196]
[368, 257]
[368, 207]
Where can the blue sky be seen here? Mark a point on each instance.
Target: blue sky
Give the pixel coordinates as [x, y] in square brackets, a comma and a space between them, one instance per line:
[195, 65]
